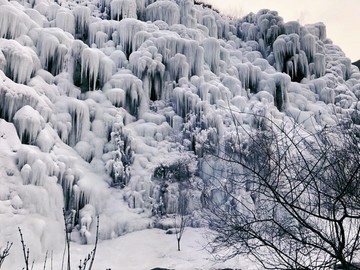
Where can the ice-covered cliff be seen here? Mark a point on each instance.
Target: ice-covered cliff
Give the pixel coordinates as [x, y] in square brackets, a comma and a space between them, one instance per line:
[105, 105]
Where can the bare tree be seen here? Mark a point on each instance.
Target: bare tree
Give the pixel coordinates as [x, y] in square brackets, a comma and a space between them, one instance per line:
[83, 265]
[93, 252]
[4, 252]
[290, 197]
[68, 228]
[45, 260]
[26, 252]
[181, 219]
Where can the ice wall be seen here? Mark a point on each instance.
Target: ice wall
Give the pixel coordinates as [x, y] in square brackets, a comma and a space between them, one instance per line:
[108, 107]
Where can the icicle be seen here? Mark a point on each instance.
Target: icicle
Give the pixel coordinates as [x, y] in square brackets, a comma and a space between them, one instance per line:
[262, 64]
[121, 9]
[321, 31]
[3, 62]
[100, 39]
[319, 60]
[264, 25]
[135, 98]
[48, 10]
[249, 75]
[308, 45]
[346, 67]
[46, 139]
[164, 88]
[147, 65]
[66, 21]
[292, 27]
[119, 58]
[187, 13]
[166, 11]
[254, 46]
[51, 53]
[82, 16]
[38, 18]
[95, 66]
[86, 216]
[13, 97]
[14, 22]
[107, 69]
[223, 26]
[289, 58]
[327, 95]
[25, 174]
[210, 23]
[185, 101]
[125, 32]
[178, 67]
[80, 120]
[212, 53]
[252, 56]
[104, 26]
[38, 173]
[195, 55]
[297, 67]
[22, 62]
[90, 66]
[281, 83]
[28, 123]
[303, 70]
[85, 150]
[234, 85]
[279, 48]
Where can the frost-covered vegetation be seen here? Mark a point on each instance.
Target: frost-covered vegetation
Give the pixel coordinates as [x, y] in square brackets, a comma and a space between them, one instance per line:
[107, 107]
[290, 197]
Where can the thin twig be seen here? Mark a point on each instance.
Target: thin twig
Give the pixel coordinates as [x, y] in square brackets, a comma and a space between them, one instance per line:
[52, 254]
[67, 244]
[25, 253]
[96, 242]
[46, 254]
[63, 257]
[5, 252]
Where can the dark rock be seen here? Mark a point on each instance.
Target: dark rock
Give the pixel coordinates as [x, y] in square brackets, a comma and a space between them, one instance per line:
[357, 63]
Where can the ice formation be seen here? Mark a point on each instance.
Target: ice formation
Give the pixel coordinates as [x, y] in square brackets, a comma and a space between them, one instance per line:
[106, 106]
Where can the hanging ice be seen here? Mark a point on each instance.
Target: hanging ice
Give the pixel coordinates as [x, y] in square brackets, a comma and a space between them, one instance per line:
[28, 123]
[166, 11]
[121, 9]
[21, 62]
[13, 21]
[106, 107]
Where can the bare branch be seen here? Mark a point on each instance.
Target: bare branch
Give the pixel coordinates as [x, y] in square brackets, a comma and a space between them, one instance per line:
[290, 196]
[4, 252]
[26, 252]
[96, 242]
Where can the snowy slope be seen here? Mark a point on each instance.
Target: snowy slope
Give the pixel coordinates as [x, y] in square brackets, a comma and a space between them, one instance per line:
[143, 250]
[105, 106]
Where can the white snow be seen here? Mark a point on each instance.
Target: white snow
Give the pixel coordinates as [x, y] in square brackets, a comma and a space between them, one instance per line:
[145, 250]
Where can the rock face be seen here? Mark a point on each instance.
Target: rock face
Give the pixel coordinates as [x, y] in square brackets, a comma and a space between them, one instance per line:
[357, 63]
[108, 105]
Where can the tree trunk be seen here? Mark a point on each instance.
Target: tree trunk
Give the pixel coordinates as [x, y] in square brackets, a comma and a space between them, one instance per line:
[178, 244]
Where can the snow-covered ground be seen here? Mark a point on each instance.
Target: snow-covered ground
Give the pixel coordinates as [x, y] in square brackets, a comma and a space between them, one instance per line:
[141, 250]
